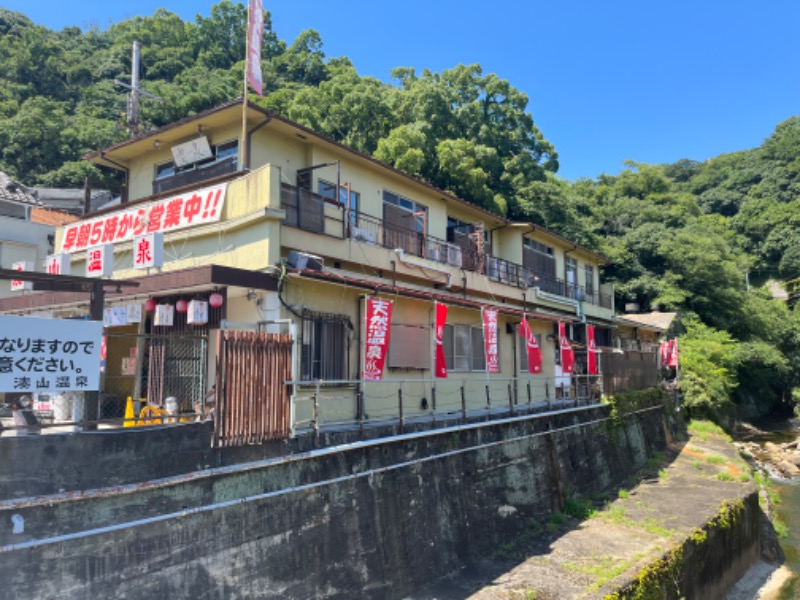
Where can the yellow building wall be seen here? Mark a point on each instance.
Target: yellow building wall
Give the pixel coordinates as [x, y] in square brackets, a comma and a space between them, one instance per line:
[247, 236]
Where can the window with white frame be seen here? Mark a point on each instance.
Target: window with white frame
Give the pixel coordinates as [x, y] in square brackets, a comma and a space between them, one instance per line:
[463, 348]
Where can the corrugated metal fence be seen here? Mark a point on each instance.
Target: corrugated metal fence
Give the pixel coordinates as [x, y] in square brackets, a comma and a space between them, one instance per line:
[253, 400]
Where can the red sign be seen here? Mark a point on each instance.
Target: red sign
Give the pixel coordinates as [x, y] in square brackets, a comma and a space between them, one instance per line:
[440, 365]
[591, 351]
[532, 347]
[255, 32]
[378, 320]
[170, 214]
[490, 339]
[567, 354]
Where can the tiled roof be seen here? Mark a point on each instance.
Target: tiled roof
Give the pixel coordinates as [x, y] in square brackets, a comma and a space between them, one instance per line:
[11, 190]
[52, 217]
[656, 319]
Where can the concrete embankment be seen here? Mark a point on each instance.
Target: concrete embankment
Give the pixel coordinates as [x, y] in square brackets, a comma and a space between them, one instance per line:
[690, 529]
[379, 519]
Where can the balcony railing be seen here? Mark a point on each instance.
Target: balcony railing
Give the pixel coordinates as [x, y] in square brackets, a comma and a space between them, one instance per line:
[306, 210]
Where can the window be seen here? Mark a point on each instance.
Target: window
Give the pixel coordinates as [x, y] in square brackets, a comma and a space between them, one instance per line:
[455, 227]
[418, 217]
[463, 348]
[522, 351]
[538, 258]
[537, 246]
[571, 276]
[588, 271]
[219, 152]
[325, 348]
[327, 189]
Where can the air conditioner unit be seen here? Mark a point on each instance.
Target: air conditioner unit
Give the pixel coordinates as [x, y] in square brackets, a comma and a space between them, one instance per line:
[363, 235]
[302, 260]
[433, 251]
[454, 255]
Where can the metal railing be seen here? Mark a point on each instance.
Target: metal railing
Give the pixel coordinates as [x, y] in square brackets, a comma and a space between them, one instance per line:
[305, 210]
[395, 403]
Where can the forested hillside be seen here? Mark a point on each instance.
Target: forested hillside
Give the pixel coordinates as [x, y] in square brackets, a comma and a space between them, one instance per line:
[686, 236]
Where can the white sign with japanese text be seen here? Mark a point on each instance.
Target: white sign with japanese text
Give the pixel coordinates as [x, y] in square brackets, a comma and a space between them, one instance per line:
[58, 264]
[18, 285]
[197, 313]
[148, 251]
[100, 261]
[115, 316]
[170, 214]
[49, 355]
[133, 313]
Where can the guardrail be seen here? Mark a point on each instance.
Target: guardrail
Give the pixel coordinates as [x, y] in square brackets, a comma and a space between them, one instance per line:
[396, 402]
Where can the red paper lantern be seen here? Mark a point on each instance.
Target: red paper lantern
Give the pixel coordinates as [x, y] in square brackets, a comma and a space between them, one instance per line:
[216, 299]
[181, 306]
[150, 305]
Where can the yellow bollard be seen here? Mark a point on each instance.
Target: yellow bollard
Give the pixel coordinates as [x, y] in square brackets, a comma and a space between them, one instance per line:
[130, 418]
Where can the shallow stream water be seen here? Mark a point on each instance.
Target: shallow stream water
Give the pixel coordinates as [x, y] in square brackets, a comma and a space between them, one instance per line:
[788, 510]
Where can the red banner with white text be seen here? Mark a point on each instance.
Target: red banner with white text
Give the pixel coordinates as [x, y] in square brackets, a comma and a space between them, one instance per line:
[176, 212]
[440, 365]
[567, 353]
[532, 347]
[490, 340]
[591, 351]
[255, 33]
[378, 320]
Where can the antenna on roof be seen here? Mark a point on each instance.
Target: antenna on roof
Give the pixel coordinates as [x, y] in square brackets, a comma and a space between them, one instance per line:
[132, 122]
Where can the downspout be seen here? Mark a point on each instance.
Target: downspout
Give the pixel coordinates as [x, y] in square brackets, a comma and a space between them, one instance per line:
[124, 195]
[359, 387]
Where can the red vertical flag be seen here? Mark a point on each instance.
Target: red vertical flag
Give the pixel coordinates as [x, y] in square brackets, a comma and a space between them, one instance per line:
[672, 360]
[567, 354]
[490, 340]
[378, 319]
[531, 347]
[255, 32]
[591, 351]
[441, 318]
[664, 351]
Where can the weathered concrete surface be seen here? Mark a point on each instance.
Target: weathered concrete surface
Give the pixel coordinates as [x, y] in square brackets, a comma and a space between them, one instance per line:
[47, 464]
[606, 552]
[375, 521]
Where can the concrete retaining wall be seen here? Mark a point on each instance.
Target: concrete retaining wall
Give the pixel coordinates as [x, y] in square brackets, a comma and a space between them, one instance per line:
[375, 520]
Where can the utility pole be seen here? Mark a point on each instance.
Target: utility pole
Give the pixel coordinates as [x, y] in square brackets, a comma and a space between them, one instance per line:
[132, 116]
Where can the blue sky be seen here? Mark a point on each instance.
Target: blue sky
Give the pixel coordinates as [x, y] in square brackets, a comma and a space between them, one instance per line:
[607, 81]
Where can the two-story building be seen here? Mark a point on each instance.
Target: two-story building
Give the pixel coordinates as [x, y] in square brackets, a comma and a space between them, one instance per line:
[296, 240]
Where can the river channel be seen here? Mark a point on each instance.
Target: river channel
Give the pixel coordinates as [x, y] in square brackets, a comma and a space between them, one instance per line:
[788, 509]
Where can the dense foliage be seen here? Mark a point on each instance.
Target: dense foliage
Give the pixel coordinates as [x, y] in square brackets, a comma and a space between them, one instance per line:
[686, 236]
